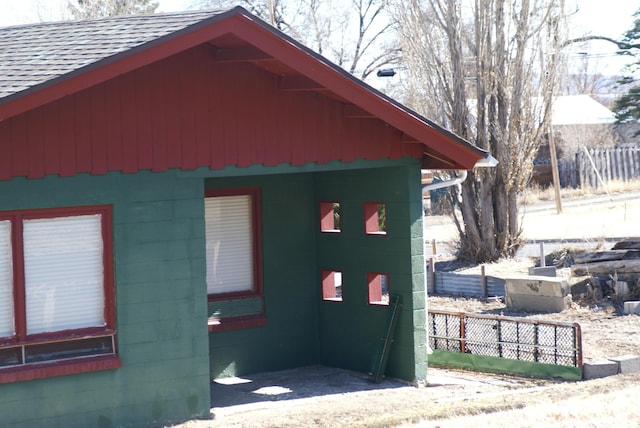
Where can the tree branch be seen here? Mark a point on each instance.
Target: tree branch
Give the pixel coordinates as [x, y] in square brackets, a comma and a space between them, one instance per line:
[618, 43]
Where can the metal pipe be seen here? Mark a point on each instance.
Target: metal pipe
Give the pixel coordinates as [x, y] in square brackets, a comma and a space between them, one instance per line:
[462, 175]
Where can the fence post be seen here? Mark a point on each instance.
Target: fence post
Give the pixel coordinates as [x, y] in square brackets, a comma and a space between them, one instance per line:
[432, 276]
[463, 334]
[579, 174]
[483, 279]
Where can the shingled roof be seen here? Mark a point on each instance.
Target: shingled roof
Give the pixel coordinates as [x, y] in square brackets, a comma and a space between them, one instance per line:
[41, 63]
[33, 54]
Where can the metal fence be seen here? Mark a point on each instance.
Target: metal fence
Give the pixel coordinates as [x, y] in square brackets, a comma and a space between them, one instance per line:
[505, 337]
[467, 285]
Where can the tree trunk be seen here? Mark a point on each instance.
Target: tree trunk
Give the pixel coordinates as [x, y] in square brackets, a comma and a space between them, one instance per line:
[494, 63]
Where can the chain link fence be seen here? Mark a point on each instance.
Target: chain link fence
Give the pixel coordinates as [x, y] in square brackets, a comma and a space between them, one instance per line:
[521, 339]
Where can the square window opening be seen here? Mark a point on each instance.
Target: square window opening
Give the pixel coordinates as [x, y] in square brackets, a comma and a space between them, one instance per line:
[330, 217]
[375, 218]
[378, 284]
[332, 285]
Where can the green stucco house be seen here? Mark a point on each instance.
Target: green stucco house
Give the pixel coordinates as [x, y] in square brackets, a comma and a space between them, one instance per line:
[196, 195]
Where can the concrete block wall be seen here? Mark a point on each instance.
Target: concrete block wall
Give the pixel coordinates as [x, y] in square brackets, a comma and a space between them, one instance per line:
[351, 330]
[289, 279]
[160, 306]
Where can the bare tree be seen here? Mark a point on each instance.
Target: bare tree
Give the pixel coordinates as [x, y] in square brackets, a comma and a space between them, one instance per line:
[357, 35]
[87, 9]
[487, 69]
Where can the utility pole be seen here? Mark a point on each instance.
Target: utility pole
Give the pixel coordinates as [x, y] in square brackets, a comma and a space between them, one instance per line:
[272, 12]
[554, 169]
[552, 143]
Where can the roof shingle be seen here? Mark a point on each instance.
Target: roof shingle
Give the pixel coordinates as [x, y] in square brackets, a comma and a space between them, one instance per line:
[36, 53]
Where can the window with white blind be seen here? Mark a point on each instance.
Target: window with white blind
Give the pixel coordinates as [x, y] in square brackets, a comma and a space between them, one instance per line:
[56, 286]
[7, 324]
[231, 247]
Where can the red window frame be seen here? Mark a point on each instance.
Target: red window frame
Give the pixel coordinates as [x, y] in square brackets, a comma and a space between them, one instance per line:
[57, 367]
[244, 321]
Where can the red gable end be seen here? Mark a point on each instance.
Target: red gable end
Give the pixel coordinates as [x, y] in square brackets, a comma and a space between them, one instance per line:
[228, 90]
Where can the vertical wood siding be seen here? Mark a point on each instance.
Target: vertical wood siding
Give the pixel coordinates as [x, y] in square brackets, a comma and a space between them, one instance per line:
[187, 112]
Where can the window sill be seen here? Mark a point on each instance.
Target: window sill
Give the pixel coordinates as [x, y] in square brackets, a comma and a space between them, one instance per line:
[237, 323]
[59, 368]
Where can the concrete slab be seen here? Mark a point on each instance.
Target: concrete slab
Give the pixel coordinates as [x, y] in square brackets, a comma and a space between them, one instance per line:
[627, 363]
[632, 307]
[598, 369]
[536, 285]
[537, 293]
[538, 303]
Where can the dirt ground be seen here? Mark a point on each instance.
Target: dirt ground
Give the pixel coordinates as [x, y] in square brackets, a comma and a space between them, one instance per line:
[327, 397]
[591, 222]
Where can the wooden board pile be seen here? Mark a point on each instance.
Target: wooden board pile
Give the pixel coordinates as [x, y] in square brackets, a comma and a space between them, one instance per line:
[614, 273]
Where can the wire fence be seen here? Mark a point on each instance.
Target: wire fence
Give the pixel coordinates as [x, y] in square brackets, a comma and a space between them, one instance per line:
[521, 339]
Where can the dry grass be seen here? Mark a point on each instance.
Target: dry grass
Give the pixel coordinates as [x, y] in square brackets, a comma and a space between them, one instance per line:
[535, 193]
[559, 404]
[595, 403]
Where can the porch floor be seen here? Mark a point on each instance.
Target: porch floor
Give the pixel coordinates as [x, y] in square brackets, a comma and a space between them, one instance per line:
[260, 389]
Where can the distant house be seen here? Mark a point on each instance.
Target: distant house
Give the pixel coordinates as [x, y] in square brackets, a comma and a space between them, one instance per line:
[577, 120]
[196, 195]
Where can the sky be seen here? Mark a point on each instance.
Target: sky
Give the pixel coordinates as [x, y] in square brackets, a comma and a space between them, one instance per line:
[609, 18]
[594, 17]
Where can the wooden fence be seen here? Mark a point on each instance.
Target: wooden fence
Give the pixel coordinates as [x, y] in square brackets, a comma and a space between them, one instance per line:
[620, 164]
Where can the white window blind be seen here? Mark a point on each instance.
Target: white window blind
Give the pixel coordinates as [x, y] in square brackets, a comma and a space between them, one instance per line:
[229, 244]
[7, 326]
[64, 273]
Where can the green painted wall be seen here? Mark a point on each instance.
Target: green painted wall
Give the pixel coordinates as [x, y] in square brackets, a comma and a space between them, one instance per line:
[350, 330]
[160, 300]
[302, 329]
[289, 282]
[167, 354]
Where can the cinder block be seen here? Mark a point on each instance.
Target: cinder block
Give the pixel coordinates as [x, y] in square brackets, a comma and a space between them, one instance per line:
[627, 363]
[598, 369]
[632, 307]
[543, 271]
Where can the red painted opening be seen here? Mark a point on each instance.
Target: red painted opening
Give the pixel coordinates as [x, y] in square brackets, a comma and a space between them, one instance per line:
[378, 285]
[330, 217]
[375, 218]
[332, 285]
